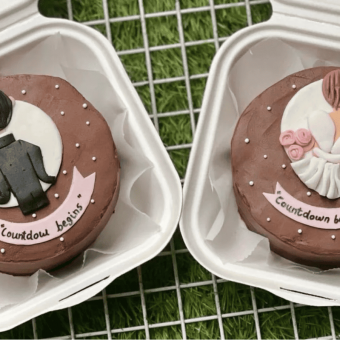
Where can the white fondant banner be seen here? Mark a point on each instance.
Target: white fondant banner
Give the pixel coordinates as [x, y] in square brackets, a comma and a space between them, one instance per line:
[57, 223]
[323, 218]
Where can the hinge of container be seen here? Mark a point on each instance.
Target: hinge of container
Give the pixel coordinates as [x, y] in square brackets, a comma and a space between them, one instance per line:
[13, 11]
[323, 11]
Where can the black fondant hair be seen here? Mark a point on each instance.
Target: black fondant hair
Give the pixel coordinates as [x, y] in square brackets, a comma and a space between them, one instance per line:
[6, 108]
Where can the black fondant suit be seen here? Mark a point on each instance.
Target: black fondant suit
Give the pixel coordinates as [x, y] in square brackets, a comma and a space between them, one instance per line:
[21, 167]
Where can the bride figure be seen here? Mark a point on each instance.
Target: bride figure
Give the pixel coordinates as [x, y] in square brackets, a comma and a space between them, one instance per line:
[312, 140]
[325, 126]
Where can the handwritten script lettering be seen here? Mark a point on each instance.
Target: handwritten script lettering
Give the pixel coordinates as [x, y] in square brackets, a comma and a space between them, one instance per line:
[317, 217]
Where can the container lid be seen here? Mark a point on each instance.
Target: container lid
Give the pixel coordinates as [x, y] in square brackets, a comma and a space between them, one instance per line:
[326, 11]
[12, 11]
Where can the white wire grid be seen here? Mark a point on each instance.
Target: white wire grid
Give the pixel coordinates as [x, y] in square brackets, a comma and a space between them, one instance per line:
[178, 12]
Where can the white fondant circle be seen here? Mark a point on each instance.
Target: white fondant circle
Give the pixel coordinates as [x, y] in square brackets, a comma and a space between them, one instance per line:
[31, 124]
[302, 105]
[318, 169]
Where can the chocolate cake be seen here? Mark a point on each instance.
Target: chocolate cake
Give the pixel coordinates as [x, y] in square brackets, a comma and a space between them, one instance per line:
[286, 166]
[59, 173]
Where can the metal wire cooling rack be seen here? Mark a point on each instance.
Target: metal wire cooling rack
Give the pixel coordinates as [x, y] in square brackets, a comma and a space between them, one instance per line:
[216, 40]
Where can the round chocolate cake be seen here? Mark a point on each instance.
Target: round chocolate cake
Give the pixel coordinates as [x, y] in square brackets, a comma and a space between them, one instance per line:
[59, 173]
[286, 166]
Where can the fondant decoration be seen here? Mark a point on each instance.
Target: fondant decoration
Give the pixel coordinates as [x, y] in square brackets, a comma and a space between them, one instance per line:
[62, 113]
[21, 167]
[287, 138]
[251, 183]
[303, 137]
[34, 215]
[315, 109]
[6, 109]
[333, 237]
[269, 108]
[32, 125]
[57, 223]
[323, 129]
[295, 152]
[294, 86]
[87, 123]
[284, 166]
[84, 105]
[336, 147]
[64, 172]
[326, 156]
[23, 91]
[297, 143]
[317, 217]
[61, 239]
[247, 140]
[331, 88]
[77, 145]
[92, 200]
[94, 158]
[300, 231]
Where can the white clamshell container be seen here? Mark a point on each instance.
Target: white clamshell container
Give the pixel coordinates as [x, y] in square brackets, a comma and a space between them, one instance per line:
[311, 28]
[23, 27]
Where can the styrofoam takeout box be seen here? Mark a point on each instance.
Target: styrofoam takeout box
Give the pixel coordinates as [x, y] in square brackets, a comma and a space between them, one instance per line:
[312, 28]
[21, 27]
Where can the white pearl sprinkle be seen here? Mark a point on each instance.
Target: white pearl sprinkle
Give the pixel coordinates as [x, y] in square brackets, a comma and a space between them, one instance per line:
[34, 215]
[77, 145]
[251, 183]
[94, 158]
[309, 193]
[23, 91]
[294, 86]
[283, 166]
[87, 123]
[247, 140]
[2, 251]
[56, 195]
[265, 156]
[269, 108]
[268, 219]
[300, 231]
[84, 105]
[92, 200]
[62, 113]
[61, 239]
[64, 172]
[333, 237]
[57, 86]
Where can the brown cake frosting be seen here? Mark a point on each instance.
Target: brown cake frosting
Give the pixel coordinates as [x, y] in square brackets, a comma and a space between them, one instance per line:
[260, 162]
[96, 153]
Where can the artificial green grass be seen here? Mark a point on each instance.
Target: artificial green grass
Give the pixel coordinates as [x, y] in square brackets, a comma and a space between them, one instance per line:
[159, 273]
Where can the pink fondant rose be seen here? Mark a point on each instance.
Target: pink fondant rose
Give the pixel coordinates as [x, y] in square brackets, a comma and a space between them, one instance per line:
[303, 137]
[295, 152]
[287, 138]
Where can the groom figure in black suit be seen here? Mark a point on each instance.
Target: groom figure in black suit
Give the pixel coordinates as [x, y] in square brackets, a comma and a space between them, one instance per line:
[21, 166]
